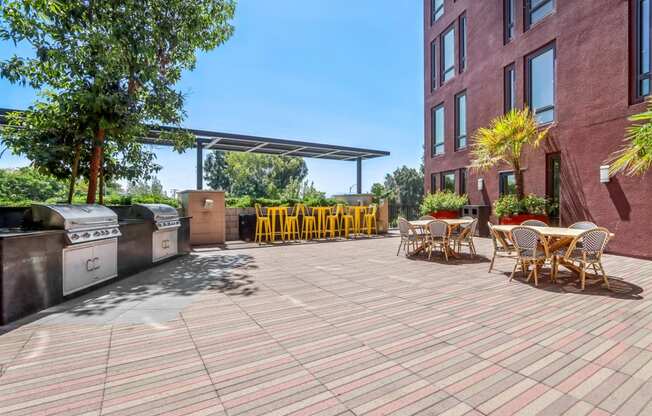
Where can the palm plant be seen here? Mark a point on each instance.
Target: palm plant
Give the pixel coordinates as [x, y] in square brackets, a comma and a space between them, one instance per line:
[505, 140]
[635, 157]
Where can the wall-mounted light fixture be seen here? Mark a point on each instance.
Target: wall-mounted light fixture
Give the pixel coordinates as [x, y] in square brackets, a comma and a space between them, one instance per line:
[480, 184]
[604, 174]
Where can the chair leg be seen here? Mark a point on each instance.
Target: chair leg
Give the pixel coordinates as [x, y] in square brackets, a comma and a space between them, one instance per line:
[536, 274]
[514, 271]
[604, 276]
[399, 246]
[491, 265]
[583, 276]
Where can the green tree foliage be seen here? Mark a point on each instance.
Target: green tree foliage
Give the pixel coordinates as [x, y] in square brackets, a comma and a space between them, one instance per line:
[405, 186]
[27, 184]
[255, 175]
[115, 63]
[143, 187]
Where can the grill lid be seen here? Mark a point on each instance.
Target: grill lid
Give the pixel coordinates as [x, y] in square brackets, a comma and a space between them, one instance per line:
[82, 223]
[164, 216]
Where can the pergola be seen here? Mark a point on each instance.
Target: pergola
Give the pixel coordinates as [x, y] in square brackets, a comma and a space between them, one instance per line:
[232, 142]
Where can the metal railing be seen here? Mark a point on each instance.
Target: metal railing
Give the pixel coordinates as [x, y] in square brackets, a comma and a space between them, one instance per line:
[409, 212]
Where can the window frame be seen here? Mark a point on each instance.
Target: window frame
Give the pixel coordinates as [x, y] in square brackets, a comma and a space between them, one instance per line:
[442, 180]
[433, 65]
[435, 10]
[637, 75]
[457, 121]
[503, 181]
[462, 39]
[442, 52]
[433, 183]
[509, 87]
[509, 21]
[529, 11]
[433, 125]
[463, 173]
[528, 81]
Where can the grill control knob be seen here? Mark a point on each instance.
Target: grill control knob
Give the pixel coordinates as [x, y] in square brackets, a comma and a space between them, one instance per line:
[74, 237]
[114, 231]
[96, 233]
[86, 235]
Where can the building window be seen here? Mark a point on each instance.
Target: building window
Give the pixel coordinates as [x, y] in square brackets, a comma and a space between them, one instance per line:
[540, 70]
[510, 88]
[438, 130]
[460, 121]
[463, 181]
[448, 182]
[507, 183]
[509, 16]
[643, 23]
[447, 61]
[536, 10]
[433, 183]
[433, 65]
[463, 42]
[437, 9]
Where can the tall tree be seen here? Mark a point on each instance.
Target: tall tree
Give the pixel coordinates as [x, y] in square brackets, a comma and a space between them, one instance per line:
[405, 185]
[117, 61]
[255, 175]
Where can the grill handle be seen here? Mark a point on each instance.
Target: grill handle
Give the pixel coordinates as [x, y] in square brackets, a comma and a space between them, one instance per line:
[90, 268]
[96, 263]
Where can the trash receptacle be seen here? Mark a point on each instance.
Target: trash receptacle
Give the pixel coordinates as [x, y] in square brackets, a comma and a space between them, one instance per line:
[247, 227]
[481, 212]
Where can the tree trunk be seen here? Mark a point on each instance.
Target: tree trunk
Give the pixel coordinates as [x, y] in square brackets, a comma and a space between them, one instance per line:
[102, 180]
[518, 176]
[96, 157]
[75, 172]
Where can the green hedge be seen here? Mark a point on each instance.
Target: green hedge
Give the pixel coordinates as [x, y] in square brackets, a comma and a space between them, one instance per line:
[247, 201]
[108, 200]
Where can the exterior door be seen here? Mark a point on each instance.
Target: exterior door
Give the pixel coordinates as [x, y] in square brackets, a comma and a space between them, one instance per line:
[553, 185]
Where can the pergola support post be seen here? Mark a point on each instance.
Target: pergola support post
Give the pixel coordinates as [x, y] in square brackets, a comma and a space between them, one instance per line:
[358, 162]
[200, 165]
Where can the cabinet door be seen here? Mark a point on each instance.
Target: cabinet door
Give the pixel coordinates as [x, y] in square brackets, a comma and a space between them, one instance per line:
[105, 259]
[164, 244]
[77, 268]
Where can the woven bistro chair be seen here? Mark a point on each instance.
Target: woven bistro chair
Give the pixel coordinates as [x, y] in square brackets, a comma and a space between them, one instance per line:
[438, 236]
[502, 247]
[534, 223]
[465, 238]
[410, 236]
[583, 225]
[426, 218]
[531, 249]
[589, 254]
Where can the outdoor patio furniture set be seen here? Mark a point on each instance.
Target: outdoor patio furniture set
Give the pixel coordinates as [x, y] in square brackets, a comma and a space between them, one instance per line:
[301, 222]
[532, 244]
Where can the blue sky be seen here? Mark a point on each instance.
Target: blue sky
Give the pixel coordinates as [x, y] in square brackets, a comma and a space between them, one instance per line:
[332, 71]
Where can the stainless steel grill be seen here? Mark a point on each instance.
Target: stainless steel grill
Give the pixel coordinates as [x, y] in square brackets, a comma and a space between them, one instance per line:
[164, 216]
[82, 223]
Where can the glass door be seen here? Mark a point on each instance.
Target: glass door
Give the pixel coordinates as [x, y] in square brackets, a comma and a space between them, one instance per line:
[553, 185]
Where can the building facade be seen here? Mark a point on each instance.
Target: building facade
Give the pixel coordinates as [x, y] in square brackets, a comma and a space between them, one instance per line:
[583, 66]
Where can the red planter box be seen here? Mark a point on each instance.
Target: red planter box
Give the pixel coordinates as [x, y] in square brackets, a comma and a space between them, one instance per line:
[518, 219]
[446, 215]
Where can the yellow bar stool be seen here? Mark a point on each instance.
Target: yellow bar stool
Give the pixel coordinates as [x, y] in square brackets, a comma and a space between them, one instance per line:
[263, 225]
[370, 220]
[309, 225]
[292, 223]
[347, 222]
[334, 222]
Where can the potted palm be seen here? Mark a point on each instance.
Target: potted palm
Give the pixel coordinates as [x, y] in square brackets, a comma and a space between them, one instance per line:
[443, 204]
[505, 142]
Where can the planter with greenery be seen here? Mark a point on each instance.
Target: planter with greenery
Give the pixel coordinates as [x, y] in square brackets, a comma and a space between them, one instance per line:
[512, 211]
[443, 204]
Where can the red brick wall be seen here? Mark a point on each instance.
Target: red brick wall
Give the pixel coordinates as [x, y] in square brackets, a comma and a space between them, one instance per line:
[591, 106]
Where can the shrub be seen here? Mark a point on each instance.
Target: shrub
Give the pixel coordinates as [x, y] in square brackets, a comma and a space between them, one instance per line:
[507, 205]
[443, 201]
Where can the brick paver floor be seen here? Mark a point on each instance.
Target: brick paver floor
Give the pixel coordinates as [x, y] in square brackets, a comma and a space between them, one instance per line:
[343, 328]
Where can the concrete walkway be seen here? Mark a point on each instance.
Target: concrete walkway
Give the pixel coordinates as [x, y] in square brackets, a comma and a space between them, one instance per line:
[342, 328]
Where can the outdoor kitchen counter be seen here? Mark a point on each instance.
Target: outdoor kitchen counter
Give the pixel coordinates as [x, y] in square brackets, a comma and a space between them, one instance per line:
[31, 269]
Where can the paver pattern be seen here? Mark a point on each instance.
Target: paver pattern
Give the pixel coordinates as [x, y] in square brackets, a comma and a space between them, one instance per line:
[343, 328]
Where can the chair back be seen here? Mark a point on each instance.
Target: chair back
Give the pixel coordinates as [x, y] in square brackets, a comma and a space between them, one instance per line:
[339, 209]
[470, 228]
[594, 241]
[372, 210]
[426, 218]
[583, 225]
[403, 227]
[438, 229]
[497, 238]
[526, 238]
[259, 211]
[534, 223]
